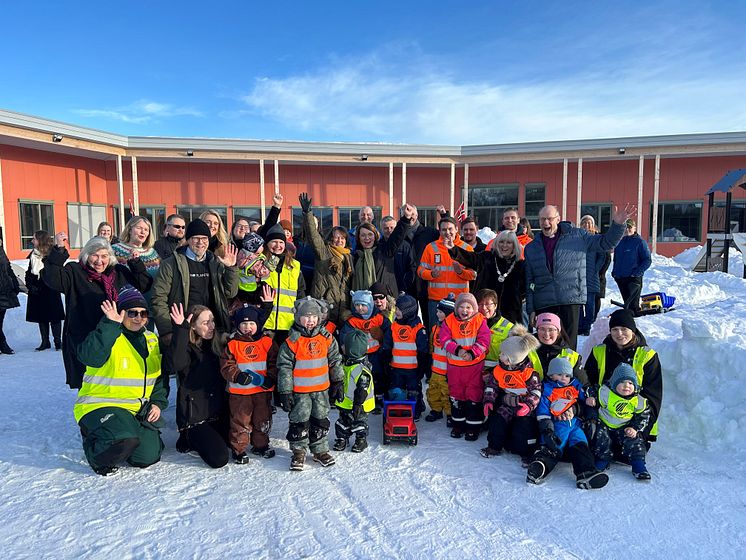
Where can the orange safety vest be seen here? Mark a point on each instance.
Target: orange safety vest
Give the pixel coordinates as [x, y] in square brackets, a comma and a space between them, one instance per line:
[366, 325]
[249, 355]
[330, 327]
[512, 381]
[562, 398]
[311, 371]
[440, 360]
[436, 257]
[404, 354]
[464, 334]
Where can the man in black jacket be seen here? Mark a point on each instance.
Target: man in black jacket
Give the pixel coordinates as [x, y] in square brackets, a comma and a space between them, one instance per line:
[174, 236]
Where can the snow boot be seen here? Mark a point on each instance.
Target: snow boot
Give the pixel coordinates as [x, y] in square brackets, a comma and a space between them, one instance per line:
[324, 458]
[5, 349]
[449, 422]
[488, 452]
[591, 480]
[240, 458]
[602, 465]
[340, 444]
[360, 445]
[471, 436]
[433, 416]
[43, 346]
[58, 345]
[298, 460]
[456, 433]
[265, 452]
[537, 472]
[105, 471]
[639, 470]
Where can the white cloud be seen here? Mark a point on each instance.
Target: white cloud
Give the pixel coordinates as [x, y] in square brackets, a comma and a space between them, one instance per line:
[141, 111]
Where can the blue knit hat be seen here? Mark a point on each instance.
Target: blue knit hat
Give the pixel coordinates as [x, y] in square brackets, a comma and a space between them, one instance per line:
[624, 372]
[559, 366]
[363, 297]
[245, 313]
[130, 297]
[407, 305]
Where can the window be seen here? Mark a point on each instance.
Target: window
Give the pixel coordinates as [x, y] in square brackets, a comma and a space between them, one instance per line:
[600, 212]
[737, 214]
[251, 213]
[35, 216]
[349, 217]
[535, 201]
[82, 221]
[155, 214]
[426, 215]
[193, 212]
[487, 203]
[324, 215]
[678, 221]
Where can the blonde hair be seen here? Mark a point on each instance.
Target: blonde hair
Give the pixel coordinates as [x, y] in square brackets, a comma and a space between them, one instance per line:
[221, 235]
[510, 236]
[127, 231]
[591, 219]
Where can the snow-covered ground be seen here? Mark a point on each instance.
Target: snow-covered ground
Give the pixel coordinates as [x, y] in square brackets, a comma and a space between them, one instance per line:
[440, 499]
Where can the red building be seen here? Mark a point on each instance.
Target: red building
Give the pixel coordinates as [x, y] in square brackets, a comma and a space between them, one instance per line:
[57, 176]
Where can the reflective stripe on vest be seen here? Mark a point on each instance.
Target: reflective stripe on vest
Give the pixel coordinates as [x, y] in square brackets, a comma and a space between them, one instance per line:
[464, 333]
[404, 353]
[366, 325]
[311, 371]
[440, 360]
[512, 381]
[447, 281]
[499, 332]
[571, 355]
[616, 411]
[125, 380]
[352, 375]
[286, 291]
[249, 356]
[246, 282]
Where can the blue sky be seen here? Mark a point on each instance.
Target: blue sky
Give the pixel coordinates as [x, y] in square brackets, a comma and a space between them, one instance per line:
[409, 72]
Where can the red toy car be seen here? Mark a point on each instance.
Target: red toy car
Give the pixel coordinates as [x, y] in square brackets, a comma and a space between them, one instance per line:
[398, 422]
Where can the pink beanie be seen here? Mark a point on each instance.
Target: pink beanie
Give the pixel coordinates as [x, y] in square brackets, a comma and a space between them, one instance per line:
[549, 319]
[466, 297]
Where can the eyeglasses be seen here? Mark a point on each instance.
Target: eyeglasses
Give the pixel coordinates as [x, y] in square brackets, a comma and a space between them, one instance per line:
[175, 226]
[134, 313]
[379, 297]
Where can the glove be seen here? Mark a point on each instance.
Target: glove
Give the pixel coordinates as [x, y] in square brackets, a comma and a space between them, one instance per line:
[487, 409]
[286, 401]
[267, 383]
[522, 410]
[337, 392]
[249, 377]
[510, 399]
[305, 202]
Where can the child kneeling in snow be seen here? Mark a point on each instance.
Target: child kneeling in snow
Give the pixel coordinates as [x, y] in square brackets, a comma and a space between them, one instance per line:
[512, 391]
[309, 375]
[624, 416]
[562, 431]
[359, 396]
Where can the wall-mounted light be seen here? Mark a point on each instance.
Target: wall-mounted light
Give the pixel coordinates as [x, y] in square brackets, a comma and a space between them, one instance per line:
[364, 157]
[190, 153]
[57, 137]
[622, 150]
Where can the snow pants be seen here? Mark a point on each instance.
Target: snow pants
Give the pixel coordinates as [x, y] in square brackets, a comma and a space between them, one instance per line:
[251, 421]
[347, 425]
[610, 443]
[112, 435]
[208, 439]
[309, 422]
[437, 394]
[579, 455]
[518, 435]
[630, 288]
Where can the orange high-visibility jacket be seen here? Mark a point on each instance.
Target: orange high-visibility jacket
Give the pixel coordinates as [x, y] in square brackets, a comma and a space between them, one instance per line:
[250, 355]
[464, 333]
[436, 257]
[440, 362]
[366, 325]
[311, 371]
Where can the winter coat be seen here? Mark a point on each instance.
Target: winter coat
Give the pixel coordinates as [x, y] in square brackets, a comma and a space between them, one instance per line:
[286, 358]
[9, 287]
[511, 292]
[44, 305]
[329, 284]
[593, 264]
[631, 257]
[496, 395]
[172, 286]
[566, 284]
[384, 254]
[541, 357]
[419, 237]
[83, 299]
[166, 246]
[602, 275]
[421, 341]
[201, 395]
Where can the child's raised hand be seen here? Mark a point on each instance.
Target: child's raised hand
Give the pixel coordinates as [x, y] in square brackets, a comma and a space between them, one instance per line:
[268, 293]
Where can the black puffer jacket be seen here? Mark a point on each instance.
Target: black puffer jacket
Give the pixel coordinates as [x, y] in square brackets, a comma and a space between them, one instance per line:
[8, 284]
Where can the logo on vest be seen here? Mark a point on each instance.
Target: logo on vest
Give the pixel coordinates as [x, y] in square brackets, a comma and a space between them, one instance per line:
[463, 328]
[403, 333]
[366, 325]
[250, 352]
[314, 348]
[105, 418]
[623, 408]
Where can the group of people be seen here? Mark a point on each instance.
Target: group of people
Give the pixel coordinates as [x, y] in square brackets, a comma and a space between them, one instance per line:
[251, 318]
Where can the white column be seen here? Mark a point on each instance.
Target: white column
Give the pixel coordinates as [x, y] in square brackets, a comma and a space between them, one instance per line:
[391, 191]
[135, 189]
[640, 174]
[262, 198]
[2, 207]
[564, 188]
[656, 185]
[277, 176]
[120, 182]
[580, 189]
[404, 183]
[466, 189]
[453, 188]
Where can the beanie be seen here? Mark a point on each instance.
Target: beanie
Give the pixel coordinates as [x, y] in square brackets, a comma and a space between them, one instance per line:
[407, 305]
[252, 242]
[516, 347]
[622, 318]
[275, 232]
[355, 344]
[245, 313]
[285, 224]
[447, 304]
[307, 306]
[197, 227]
[363, 297]
[378, 288]
[549, 319]
[466, 297]
[559, 366]
[624, 372]
[130, 297]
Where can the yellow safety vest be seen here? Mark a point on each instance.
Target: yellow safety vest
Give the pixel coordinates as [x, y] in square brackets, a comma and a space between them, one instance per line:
[571, 355]
[499, 332]
[616, 411]
[352, 375]
[286, 292]
[124, 381]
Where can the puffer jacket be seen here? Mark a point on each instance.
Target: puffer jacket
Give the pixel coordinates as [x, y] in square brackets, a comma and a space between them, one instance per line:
[631, 257]
[566, 284]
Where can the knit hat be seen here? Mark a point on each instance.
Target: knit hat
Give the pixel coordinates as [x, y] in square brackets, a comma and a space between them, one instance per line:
[325, 307]
[622, 318]
[245, 313]
[285, 224]
[307, 306]
[516, 347]
[363, 297]
[275, 232]
[378, 288]
[447, 304]
[559, 366]
[466, 297]
[355, 344]
[252, 243]
[197, 227]
[549, 319]
[407, 305]
[130, 297]
[624, 372]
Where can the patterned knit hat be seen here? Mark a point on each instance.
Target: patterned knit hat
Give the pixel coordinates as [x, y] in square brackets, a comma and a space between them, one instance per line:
[130, 297]
[407, 305]
[447, 304]
[252, 243]
[624, 372]
[363, 297]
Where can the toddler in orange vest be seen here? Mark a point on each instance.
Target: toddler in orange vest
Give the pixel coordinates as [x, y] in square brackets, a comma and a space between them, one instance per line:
[249, 365]
[437, 389]
[466, 338]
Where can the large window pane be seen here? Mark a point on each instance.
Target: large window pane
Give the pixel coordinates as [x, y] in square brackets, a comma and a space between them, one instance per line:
[535, 201]
[155, 214]
[324, 215]
[427, 216]
[349, 216]
[251, 213]
[737, 215]
[678, 221]
[82, 221]
[488, 202]
[600, 212]
[35, 216]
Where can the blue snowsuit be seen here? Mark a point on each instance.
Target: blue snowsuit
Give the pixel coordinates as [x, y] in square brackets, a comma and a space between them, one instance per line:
[570, 432]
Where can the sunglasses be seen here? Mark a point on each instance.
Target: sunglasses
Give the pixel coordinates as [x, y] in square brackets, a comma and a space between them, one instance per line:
[133, 313]
[379, 297]
[175, 226]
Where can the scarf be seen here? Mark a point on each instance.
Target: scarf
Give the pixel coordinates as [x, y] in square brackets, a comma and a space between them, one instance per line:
[36, 263]
[365, 270]
[340, 261]
[106, 280]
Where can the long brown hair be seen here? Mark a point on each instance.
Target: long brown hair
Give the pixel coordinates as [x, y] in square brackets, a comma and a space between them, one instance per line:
[45, 242]
[216, 344]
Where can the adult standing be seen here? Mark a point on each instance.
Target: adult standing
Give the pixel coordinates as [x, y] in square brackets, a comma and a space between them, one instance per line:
[9, 290]
[138, 238]
[106, 230]
[469, 230]
[373, 260]
[201, 401]
[405, 268]
[44, 305]
[87, 283]
[173, 237]
[218, 233]
[631, 260]
[556, 266]
[239, 230]
[595, 264]
[512, 222]
[365, 216]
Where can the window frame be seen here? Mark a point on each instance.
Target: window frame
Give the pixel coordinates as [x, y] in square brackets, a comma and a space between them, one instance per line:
[494, 211]
[603, 227]
[661, 217]
[158, 228]
[39, 204]
[377, 215]
[296, 218]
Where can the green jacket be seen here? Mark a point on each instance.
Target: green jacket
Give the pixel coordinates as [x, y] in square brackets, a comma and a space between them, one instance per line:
[286, 359]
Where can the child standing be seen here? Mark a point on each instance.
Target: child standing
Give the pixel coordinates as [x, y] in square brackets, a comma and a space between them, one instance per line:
[309, 375]
[625, 416]
[249, 365]
[511, 395]
[561, 430]
[437, 389]
[359, 396]
[465, 337]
